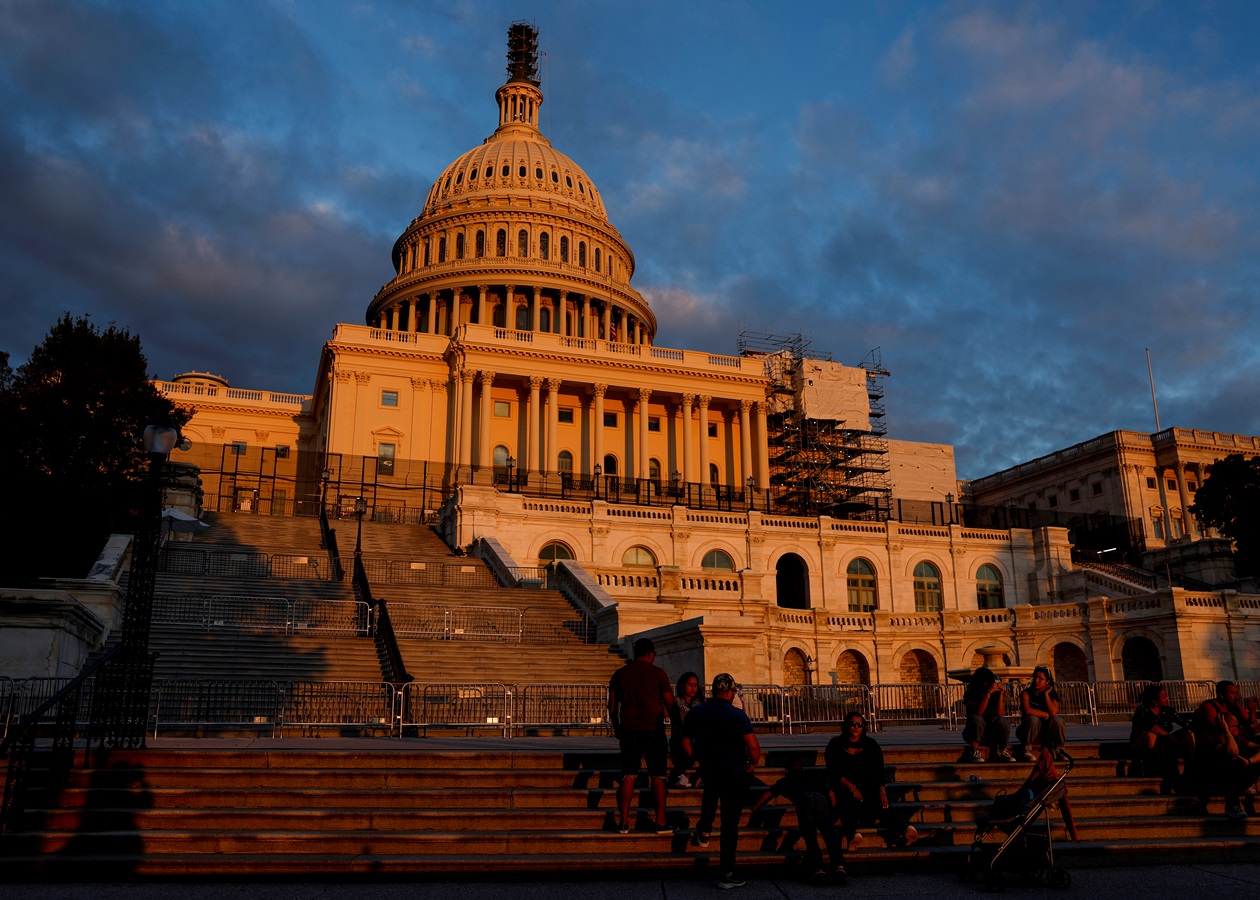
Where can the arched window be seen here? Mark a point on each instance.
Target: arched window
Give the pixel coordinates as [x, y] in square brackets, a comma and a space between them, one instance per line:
[481, 244]
[596, 259]
[565, 461]
[500, 243]
[795, 668]
[718, 559]
[459, 246]
[927, 588]
[564, 249]
[654, 469]
[715, 477]
[554, 550]
[522, 318]
[500, 315]
[544, 245]
[426, 252]
[506, 170]
[442, 249]
[544, 320]
[989, 588]
[522, 171]
[582, 254]
[610, 464]
[500, 459]
[639, 556]
[863, 594]
[522, 243]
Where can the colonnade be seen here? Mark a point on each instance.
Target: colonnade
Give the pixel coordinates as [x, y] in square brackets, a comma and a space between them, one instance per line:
[687, 445]
[568, 313]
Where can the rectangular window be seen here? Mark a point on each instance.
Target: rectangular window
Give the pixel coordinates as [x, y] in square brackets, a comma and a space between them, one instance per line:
[1191, 486]
[713, 429]
[1150, 483]
[1074, 495]
[654, 423]
[239, 448]
[1172, 483]
[385, 460]
[1096, 487]
[282, 451]
[610, 420]
[1052, 501]
[566, 416]
[389, 398]
[1157, 526]
[503, 409]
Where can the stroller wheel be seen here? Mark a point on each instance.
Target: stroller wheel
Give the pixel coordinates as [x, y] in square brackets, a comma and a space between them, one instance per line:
[993, 881]
[1060, 878]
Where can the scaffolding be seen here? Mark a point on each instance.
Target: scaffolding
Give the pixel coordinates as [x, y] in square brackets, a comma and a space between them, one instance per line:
[826, 428]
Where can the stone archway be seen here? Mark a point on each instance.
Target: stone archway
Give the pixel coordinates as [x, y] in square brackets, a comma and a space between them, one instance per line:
[852, 668]
[918, 667]
[1069, 663]
[1140, 660]
[791, 582]
[795, 668]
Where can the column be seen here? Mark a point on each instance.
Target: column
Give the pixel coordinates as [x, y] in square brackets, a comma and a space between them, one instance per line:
[644, 469]
[466, 377]
[553, 424]
[535, 461]
[429, 311]
[411, 314]
[509, 301]
[558, 318]
[452, 320]
[745, 442]
[536, 311]
[703, 475]
[688, 454]
[481, 304]
[607, 321]
[763, 447]
[388, 324]
[597, 423]
[487, 416]
[584, 325]
[1183, 493]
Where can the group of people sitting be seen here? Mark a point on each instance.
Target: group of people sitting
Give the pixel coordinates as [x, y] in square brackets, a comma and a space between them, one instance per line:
[987, 726]
[1219, 743]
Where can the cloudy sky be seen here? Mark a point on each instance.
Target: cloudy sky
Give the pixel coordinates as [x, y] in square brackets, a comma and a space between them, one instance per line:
[1011, 200]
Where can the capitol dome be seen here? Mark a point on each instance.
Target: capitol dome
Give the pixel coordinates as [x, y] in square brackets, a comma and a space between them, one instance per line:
[514, 234]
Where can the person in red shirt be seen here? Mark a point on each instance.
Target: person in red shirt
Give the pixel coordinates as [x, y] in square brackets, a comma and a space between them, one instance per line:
[639, 694]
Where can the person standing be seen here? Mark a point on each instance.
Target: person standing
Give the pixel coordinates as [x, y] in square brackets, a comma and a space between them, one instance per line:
[638, 696]
[687, 694]
[722, 739]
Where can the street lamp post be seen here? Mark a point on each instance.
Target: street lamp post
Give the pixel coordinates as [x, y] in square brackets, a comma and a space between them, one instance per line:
[678, 486]
[599, 470]
[360, 507]
[949, 504]
[511, 465]
[751, 484]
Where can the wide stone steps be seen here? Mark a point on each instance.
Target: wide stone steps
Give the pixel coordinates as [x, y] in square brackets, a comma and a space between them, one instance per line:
[503, 663]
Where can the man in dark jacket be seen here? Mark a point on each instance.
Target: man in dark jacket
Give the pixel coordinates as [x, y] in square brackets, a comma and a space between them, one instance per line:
[722, 739]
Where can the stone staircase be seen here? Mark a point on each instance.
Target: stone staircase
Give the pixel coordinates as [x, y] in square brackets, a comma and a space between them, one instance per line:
[390, 809]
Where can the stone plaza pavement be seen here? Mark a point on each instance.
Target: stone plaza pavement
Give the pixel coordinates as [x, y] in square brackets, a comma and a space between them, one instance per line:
[1238, 880]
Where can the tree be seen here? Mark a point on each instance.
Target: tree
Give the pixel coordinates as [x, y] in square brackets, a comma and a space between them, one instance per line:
[73, 416]
[1229, 501]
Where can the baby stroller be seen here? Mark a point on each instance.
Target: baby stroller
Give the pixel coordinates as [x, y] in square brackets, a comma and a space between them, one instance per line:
[1028, 849]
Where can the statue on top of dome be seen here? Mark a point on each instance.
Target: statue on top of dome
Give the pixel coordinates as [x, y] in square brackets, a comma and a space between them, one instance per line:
[523, 53]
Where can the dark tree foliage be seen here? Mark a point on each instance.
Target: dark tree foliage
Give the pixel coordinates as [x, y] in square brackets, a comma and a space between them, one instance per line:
[73, 417]
[1229, 501]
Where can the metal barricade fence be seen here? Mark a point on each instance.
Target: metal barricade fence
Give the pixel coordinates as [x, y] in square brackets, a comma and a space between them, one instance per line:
[541, 625]
[7, 694]
[463, 705]
[764, 704]
[381, 570]
[239, 564]
[184, 562]
[329, 617]
[1116, 700]
[286, 565]
[560, 706]
[414, 620]
[1185, 696]
[825, 704]
[909, 704]
[484, 623]
[266, 615]
[351, 704]
[955, 705]
[1077, 703]
[208, 704]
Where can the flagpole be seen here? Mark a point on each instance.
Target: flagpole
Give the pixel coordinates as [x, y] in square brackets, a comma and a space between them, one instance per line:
[1155, 403]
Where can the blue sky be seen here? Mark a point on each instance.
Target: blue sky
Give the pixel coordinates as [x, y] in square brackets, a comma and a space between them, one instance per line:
[1011, 200]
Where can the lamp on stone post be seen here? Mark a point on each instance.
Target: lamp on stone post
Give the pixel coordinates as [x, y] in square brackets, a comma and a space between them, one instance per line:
[949, 504]
[511, 466]
[599, 470]
[751, 484]
[123, 686]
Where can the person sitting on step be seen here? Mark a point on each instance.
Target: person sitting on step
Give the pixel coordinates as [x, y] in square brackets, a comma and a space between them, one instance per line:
[858, 781]
[1157, 740]
[1225, 758]
[815, 812]
[1041, 725]
[986, 725]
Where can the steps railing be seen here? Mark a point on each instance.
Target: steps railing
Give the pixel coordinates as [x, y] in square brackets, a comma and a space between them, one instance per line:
[383, 633]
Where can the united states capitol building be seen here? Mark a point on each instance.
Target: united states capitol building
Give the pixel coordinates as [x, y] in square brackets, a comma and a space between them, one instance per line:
[749, 512]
